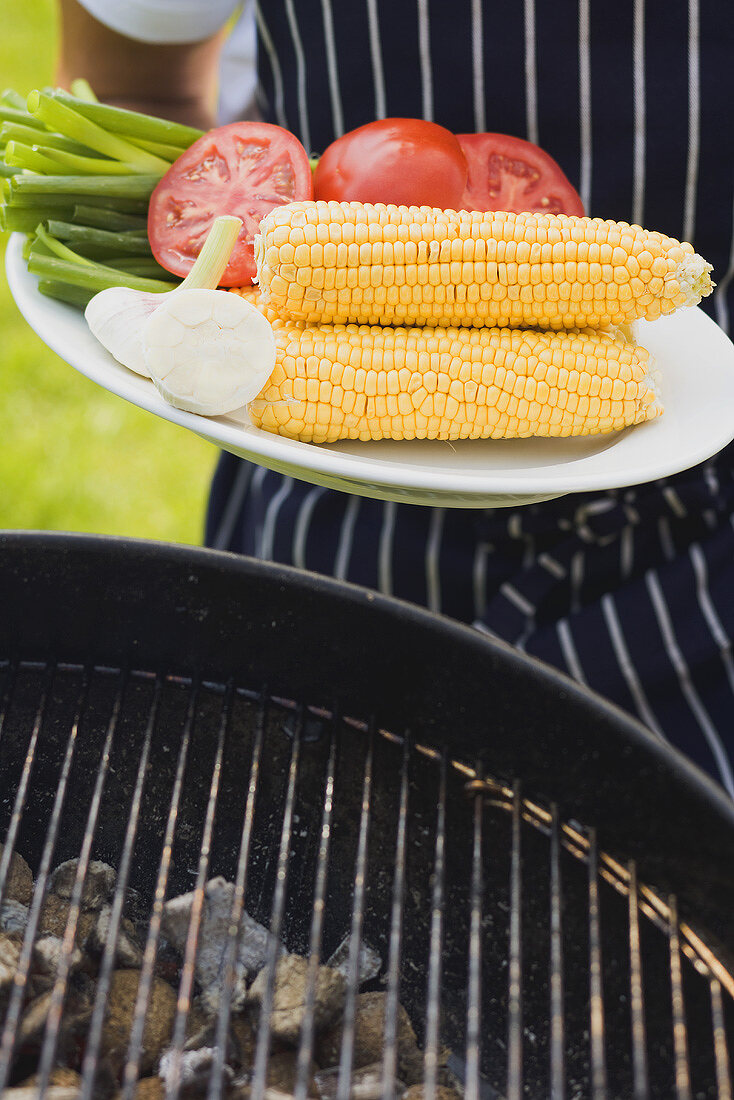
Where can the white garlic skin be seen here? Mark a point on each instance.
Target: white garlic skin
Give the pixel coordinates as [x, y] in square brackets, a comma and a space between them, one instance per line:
[117, 317]
[208, 351]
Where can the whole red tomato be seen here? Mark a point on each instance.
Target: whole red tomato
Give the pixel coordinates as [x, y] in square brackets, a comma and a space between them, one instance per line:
[405, 161]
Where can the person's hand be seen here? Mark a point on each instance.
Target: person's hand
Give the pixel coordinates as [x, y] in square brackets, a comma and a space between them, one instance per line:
[177, 81]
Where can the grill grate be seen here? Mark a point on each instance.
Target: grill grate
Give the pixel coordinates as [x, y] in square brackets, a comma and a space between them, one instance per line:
[507, 932]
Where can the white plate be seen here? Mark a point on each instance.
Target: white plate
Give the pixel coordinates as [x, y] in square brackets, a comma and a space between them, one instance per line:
[696, 361]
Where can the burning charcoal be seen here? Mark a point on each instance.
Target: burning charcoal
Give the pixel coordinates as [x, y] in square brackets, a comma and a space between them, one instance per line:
[19, 884]
[128, 952]
[211, 956]
[98, 884]
[192, 1069]
[369, 1039]
[13, 916]
[364, 1084]
[159, 1019]
[369, 962]
[54, 915]
[291, 979]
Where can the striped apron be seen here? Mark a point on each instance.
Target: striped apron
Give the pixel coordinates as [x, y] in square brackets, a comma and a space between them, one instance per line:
[630, 592]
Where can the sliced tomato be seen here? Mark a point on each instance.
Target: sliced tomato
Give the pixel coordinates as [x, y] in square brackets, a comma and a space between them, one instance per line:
[405, 161]
[245, 168]
[508, 173]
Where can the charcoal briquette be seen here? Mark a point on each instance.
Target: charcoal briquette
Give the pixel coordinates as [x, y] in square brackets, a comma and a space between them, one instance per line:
[99, 882]
[19, 883]
[289, 996]
[369, 1039]
[159, 1019]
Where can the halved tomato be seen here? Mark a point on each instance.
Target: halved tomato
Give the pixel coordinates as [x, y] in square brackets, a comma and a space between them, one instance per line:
[245, 168]
[508, 173]
[406, 161]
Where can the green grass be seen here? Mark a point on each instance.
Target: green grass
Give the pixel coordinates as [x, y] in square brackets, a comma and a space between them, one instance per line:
[72, 456]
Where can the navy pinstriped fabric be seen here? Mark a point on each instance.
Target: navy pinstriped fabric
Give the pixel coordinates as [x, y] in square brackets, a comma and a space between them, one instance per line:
[630, 592]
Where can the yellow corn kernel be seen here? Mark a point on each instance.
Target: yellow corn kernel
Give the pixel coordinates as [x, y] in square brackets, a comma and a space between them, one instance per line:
[532, 383]
[544, 270]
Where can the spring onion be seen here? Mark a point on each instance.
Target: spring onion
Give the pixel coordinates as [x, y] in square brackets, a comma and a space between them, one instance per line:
[59, 116]
[92, 276]
[83, 172]
[132, 124]
[125, 241]
[15, 131]
[105, 218]
[110, 187]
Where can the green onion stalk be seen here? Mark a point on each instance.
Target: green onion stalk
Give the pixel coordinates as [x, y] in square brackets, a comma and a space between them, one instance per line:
[76, 177]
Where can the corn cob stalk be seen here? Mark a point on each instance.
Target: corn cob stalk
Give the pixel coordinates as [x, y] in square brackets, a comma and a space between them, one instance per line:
[352, 262]
[372, 382]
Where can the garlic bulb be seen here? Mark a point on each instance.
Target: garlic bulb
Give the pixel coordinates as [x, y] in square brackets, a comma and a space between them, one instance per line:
[116, 316]
[206, 351]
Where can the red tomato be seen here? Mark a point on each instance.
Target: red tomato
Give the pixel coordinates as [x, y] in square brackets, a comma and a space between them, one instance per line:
[245, 168]
[405, 161]
[507, 173]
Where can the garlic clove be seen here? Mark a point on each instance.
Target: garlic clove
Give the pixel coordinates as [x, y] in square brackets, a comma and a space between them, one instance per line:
[116, 317]
[208, 351]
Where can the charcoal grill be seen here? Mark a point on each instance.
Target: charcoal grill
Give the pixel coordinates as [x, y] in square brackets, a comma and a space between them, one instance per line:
[548, 887]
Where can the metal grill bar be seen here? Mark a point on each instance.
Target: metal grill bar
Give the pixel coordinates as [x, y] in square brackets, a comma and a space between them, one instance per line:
[390, 1057]
[186, 984]
[135, 1046]
[474, 985]
[216, 1084]
[598, 1056]
[108, 958]
[433, 1005]
[18, 805]
[598, 875]
[557, 1014]
[637, 1003]
[346, 1057]
[305, 1049]
[697, 949]
[514, 1013]
[58, 995]
[680, 1031]
[16, 1000]
[721, 1051]
[262, 1049]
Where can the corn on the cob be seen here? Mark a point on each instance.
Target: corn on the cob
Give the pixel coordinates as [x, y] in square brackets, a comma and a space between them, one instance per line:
[372, 382]
[351, 262]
